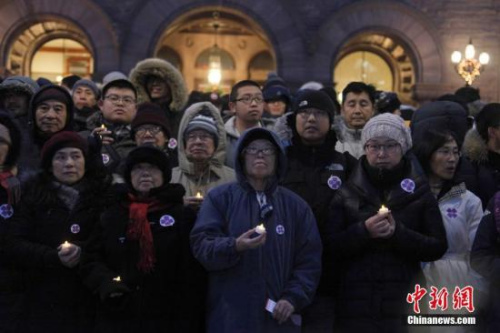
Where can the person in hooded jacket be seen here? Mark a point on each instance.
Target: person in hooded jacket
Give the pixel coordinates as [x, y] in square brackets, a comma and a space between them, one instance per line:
[260, 278]
[485, 260]
[11, 288]
[138, 260]
[377, 252]
[202, 152]
[315, 171]
[51, 111]
[57, 212]
[158, 81]
[482, 148]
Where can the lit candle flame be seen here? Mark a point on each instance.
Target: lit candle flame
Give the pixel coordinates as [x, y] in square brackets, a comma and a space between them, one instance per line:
[117, 279]
[66, 244]
[383, 210]
[103, 127]
[198, 195]
[260, 229]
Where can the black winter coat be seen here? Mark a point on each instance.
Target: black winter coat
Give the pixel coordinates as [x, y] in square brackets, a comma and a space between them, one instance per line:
[377, 274]
[169, 299]
[316, 173]
[485, 259]
[11, 286]
[57, 300]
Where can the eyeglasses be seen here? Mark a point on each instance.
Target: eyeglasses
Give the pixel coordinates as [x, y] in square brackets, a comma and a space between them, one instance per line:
[306, 113]
[115, 99]
[267, 151]
[201, 136]
[448, 152]
[249, 99]
[375, 148]
[141, 131]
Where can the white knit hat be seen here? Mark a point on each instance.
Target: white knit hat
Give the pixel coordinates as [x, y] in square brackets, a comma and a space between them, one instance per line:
[390, 126]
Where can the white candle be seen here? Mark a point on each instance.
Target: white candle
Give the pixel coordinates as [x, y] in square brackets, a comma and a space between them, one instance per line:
[260, 229]
[66, 245]
[198, 195]
[383, 210]
[117, 279]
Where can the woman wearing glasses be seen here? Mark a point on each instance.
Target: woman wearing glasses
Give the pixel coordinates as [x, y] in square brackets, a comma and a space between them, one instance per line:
[461, 210]
[202, 151]
[150, 127]
[377, 251]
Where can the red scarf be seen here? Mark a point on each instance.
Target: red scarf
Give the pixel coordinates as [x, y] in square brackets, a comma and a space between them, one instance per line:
[11, 185]
[139, 229]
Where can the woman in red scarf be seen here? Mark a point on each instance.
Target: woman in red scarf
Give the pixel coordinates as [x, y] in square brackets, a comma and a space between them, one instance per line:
[138, 260]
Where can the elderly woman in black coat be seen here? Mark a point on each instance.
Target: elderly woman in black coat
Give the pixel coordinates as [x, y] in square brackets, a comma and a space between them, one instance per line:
[51, 226]
[378, 251]
[139, 261]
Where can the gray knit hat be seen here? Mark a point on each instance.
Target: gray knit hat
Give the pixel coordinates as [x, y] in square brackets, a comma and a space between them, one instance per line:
[390, 126]
[88, 84]
[203, 122]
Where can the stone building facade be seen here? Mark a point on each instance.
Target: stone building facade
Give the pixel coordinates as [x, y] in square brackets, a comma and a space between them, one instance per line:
[305, 39]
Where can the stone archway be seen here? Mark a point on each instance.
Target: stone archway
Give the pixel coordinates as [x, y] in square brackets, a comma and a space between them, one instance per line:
[396, 21]
[395, 55]
[80, 20]
[236, 36]
[30, 39]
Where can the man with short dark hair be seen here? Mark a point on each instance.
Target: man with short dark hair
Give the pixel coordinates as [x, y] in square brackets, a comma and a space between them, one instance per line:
[358, 100]
[482, 148]
[118, 107]
[259, 243]
[315, 171]
[246, 101]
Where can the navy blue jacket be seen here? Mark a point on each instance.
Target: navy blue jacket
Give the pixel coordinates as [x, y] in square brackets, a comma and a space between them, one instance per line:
[287, 266]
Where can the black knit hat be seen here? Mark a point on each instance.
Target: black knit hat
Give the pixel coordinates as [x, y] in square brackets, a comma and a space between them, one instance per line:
[315, 99]
[150, 113]
[489, 116]
[62, 140]
[387, 101]
[147, 154]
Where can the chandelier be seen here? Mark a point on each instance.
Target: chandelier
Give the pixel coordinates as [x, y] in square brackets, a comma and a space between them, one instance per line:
[214, 58]
[469, 68]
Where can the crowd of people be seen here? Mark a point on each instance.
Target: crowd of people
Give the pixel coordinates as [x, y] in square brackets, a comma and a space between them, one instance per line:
[131, 206]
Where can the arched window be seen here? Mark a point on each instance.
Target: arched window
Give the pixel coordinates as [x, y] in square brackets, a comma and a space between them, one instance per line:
[60, 57]
[260, 65]
[366, 67]
[227, 62]
[170, 55]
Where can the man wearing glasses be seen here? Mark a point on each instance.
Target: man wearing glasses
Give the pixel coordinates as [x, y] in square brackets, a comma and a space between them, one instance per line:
[315, 171]
[259, 242]
[112, 124]
[246, 101]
